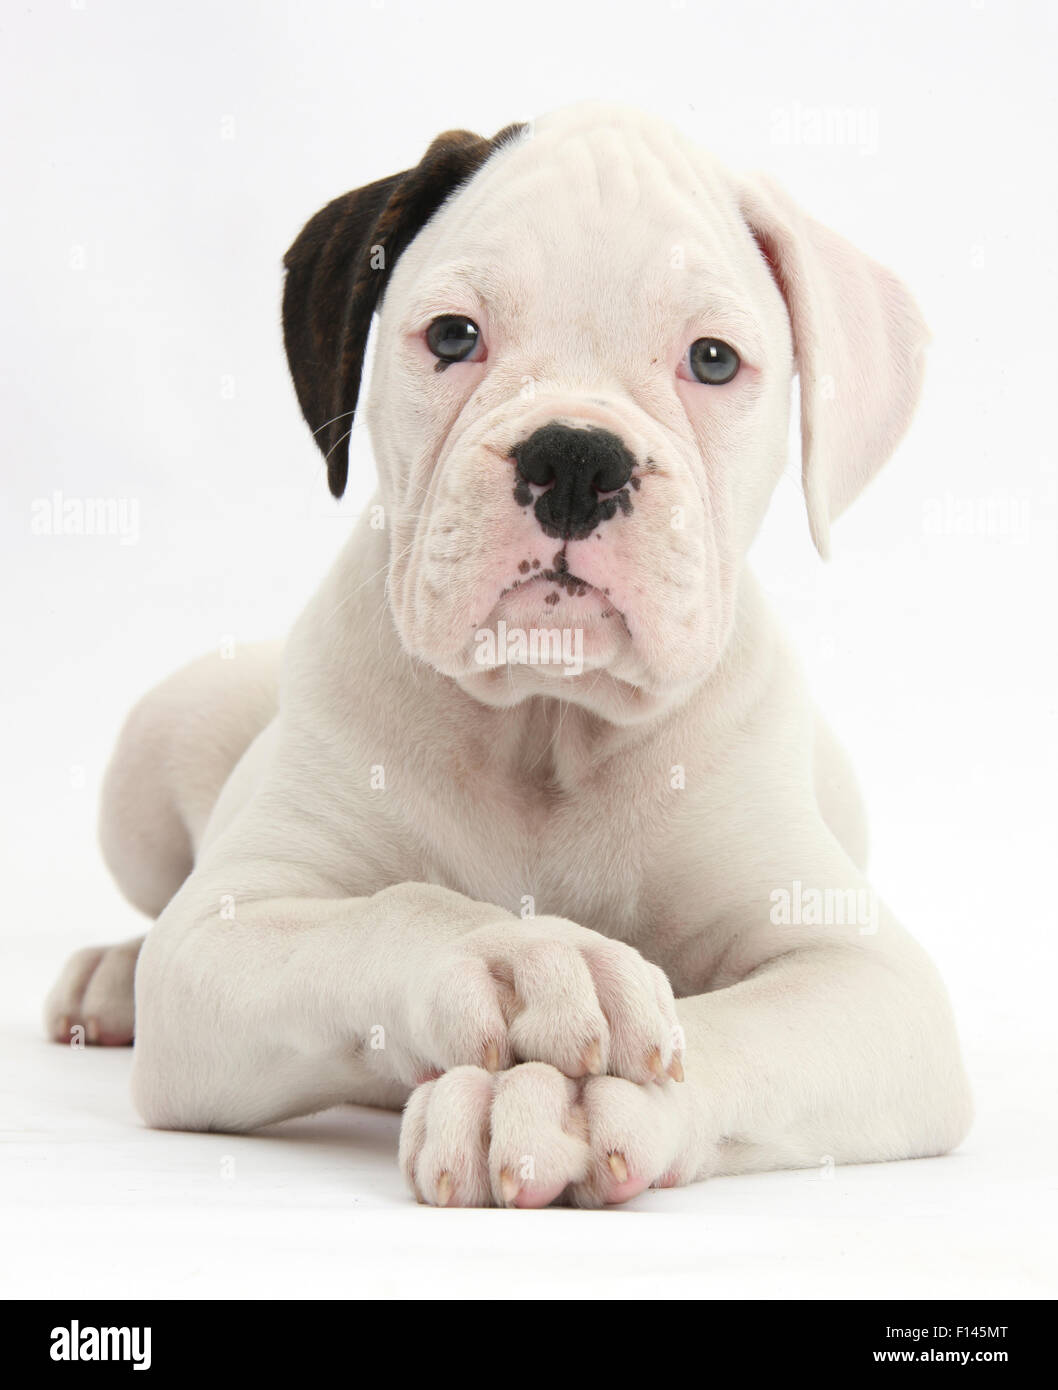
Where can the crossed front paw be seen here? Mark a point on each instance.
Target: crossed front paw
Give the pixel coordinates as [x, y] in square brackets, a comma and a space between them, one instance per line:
[531, 1136]
[546, 990]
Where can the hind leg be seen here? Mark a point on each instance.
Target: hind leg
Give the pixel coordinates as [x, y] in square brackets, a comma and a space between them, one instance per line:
[173, 757]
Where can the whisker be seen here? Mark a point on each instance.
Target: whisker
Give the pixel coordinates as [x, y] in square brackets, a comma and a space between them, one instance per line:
[334, 446]
[381, 570]
[334, 421]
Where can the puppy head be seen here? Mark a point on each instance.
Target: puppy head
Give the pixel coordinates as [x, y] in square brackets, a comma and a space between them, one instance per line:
[580, 399]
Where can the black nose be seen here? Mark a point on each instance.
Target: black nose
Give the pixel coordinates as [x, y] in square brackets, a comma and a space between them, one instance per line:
[575, 465]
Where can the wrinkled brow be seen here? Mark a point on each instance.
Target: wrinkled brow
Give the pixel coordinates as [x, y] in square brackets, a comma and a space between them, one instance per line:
[456, 288]
[717, 314]
[472, 287]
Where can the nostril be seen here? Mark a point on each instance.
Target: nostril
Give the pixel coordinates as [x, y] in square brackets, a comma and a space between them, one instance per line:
[535, 468]
[613, 464]
[612, 477]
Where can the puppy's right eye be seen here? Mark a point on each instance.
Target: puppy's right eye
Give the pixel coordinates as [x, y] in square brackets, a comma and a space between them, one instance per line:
[453, 338]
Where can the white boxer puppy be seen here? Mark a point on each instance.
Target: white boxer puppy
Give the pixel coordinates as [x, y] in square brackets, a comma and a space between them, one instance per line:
[532, 828]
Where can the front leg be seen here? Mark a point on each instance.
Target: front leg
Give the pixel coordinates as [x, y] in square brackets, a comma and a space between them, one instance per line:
[834, 1044]
[256, 1004]
[828, 1052]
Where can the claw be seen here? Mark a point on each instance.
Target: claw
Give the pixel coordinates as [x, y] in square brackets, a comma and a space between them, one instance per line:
[592, 1060]
[492, 1057]
[676, 1069]
[655, 1063]
[618, 1167]
[444, 1189]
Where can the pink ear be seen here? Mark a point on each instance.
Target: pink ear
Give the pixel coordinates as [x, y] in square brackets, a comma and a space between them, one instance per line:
[859, 343]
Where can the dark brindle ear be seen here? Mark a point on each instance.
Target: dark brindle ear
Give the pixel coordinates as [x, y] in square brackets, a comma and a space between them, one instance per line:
[336, 273]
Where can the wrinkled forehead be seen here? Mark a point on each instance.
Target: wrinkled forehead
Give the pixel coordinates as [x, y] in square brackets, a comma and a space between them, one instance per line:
[609, 217]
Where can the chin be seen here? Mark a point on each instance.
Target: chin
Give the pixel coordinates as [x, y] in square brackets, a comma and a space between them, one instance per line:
[571, 644]
[598, 691]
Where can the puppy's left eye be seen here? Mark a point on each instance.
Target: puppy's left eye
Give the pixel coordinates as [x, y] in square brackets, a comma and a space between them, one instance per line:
[712, 362]
[453, 338]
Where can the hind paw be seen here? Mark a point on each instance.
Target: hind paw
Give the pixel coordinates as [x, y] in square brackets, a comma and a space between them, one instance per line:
[92, 1000]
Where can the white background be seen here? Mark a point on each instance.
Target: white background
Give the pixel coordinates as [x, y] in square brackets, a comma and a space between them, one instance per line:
[159, 160]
